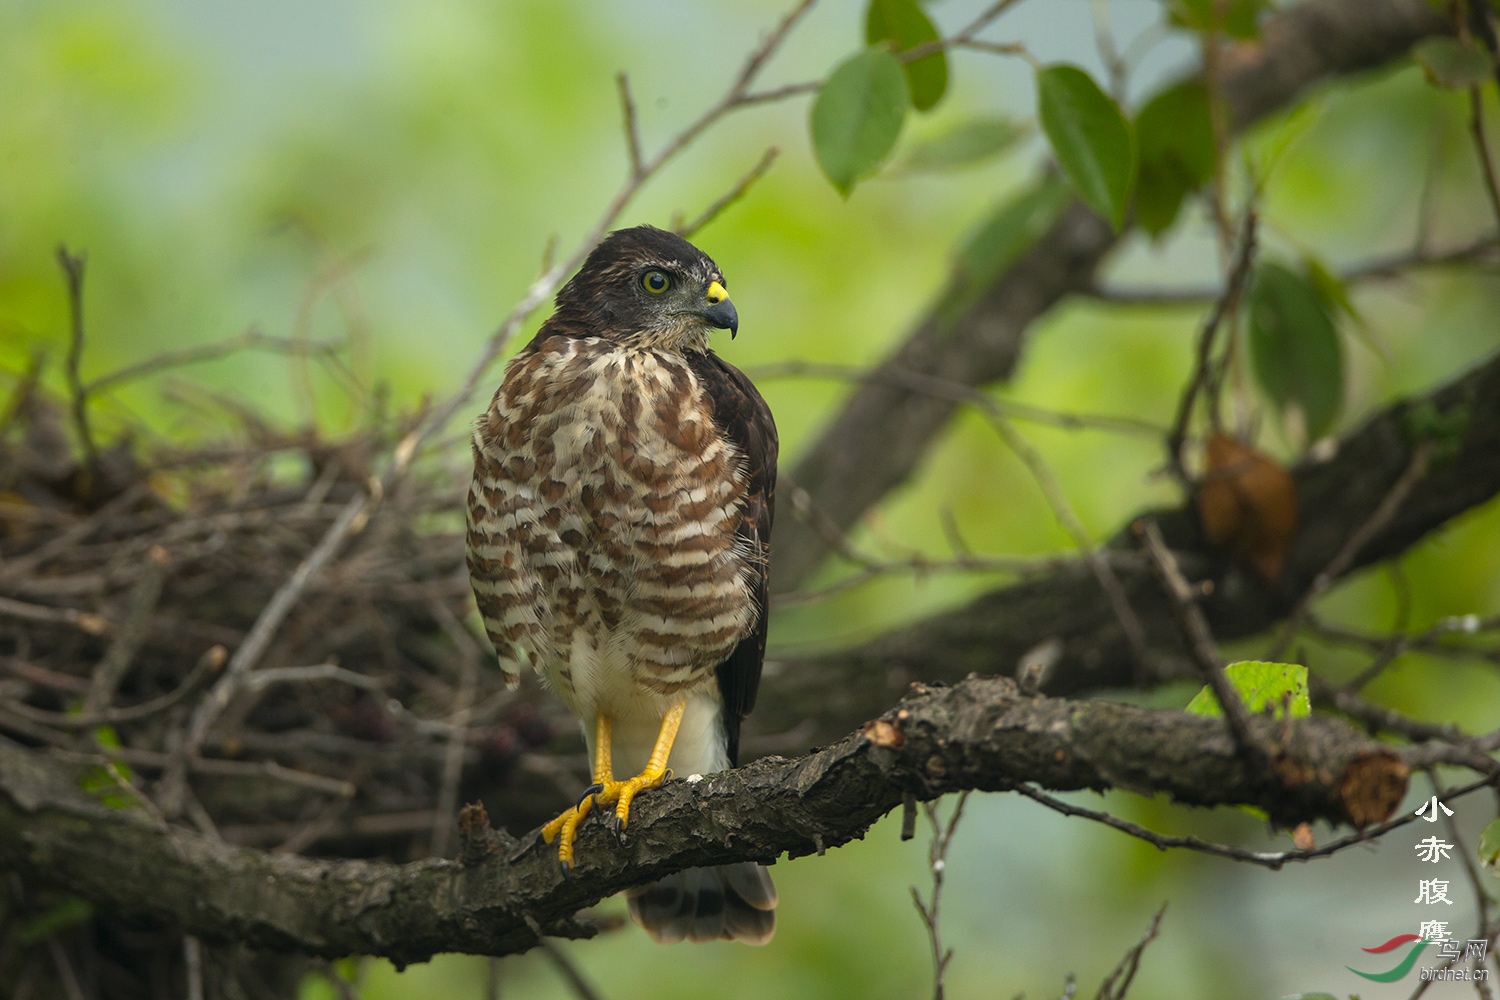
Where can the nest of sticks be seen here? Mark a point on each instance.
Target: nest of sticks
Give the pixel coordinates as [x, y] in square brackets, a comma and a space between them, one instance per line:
[264, 635]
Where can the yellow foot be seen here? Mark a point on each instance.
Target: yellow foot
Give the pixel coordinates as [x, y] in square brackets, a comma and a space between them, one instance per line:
[564, 829]
[622, 793]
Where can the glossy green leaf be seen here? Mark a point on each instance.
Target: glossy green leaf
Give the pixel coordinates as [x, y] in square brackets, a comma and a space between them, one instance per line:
[1260, 684]
[966, 144]
[903, 24]
[1236, 18]
[1090, 137]
[1448, 62]
[1176, 142]
[858, 115]
[1295, 348]
[1489, 845]
[1001, 239]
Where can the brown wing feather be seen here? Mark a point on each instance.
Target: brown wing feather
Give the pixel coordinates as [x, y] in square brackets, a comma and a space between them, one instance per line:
[743, 416]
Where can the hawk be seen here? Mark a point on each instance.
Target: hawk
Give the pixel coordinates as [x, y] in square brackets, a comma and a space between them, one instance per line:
[619, 529]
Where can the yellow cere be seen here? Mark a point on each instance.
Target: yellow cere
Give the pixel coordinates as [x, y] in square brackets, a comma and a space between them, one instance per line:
[716, 294]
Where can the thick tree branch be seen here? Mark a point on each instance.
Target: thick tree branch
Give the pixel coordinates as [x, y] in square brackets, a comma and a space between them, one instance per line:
[879, 438]
[991, 634]
[980, 734]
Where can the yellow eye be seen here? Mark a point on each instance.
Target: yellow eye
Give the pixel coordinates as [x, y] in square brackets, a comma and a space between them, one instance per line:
[655, 282]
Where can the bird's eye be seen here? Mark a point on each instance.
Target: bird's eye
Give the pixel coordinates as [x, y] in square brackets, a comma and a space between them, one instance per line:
[655, 282]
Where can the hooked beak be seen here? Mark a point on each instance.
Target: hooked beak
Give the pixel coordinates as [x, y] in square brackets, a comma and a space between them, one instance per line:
[720, 312]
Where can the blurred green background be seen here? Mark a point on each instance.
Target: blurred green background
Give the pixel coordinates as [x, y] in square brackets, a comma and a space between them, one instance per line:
[393, 172]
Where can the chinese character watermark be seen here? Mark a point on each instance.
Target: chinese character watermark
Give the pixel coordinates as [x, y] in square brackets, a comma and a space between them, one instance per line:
[1432, 891]
[1434, 805]
[1434, 850]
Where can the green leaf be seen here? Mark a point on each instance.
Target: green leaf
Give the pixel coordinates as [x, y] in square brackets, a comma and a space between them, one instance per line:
[68, 913]
[858, 116]
[1000, 240]
[905, 26]
[1489, 845]
[1260, 684]
[1091, 138]
[964, 145]
[1334, 292]
[1295, 349]
[1310, 996]
[1176, 141]
[1236, 18]
[1448, 62]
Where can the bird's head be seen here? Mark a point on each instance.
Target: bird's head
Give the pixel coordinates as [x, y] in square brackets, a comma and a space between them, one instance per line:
[648, 287]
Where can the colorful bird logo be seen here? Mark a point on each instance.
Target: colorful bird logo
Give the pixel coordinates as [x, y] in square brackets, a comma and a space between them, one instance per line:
[1402, 967]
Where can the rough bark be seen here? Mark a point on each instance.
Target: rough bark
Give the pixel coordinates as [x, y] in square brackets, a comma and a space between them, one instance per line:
[980, 734]
[878, 439]
[992, 633]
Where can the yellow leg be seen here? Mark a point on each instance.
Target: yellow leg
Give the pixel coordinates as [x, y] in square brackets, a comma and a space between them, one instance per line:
[622, 792]
[565, 827]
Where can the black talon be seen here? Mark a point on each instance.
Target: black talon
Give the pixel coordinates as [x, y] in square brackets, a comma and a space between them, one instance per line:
[567, 870]
[593, 789]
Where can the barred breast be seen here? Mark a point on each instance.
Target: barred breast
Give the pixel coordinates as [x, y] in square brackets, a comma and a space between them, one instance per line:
[601, 525]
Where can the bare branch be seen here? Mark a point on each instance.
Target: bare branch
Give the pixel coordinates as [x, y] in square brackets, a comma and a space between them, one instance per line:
[249, 340]
[1239, 275]
[1379, 518]
[1274, 860]
[1482, 147]
[980, 734]
[1200, 640]
[73, 266]
[632, 127]
[731, 196]
[1117, 983]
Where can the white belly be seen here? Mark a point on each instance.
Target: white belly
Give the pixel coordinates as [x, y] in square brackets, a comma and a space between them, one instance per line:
[602, 683]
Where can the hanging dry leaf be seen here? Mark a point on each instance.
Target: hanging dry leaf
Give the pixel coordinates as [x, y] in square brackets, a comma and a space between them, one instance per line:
[1247, 504]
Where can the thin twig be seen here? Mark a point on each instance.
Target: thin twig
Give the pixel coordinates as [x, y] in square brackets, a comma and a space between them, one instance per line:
[571, 974]
[271, 617]
[1482, 147]
[632, 127]
[192, 960]
[469, 657]
[1274, 860]
[1183, 598]
[1124, 973]
[84, 621]
[937, 863]
[1114, 591]
[206, 664]
[65, 973]
[259, 680]
[1239, 275]
[341, 986]
[492, 980]
[249, 340]
[73, 267]
[941, 388]
[1109, 52]
[1379, 269]
[1373, 525]
[731, 196]
[121, 653]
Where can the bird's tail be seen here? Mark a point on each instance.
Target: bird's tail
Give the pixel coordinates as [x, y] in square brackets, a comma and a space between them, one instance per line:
[735, 902]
